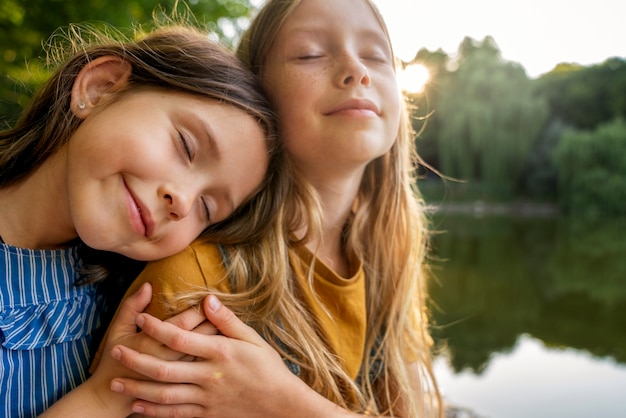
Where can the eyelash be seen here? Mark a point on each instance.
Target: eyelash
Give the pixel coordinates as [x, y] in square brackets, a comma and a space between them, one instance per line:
[206, 209]
[309, 57]
[376, 57]
[370, 57]
[185, 145]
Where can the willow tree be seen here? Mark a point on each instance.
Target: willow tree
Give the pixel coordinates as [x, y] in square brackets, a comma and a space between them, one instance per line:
[489, 117]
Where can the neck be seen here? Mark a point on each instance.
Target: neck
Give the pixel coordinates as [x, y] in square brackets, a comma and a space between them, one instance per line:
[34, 212]
[337, 198]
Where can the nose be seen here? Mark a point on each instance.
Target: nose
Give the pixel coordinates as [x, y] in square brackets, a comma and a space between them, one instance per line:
[178, 203]
[353, 71]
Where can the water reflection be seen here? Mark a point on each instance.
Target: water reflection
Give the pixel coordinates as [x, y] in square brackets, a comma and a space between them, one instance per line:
[498, 278]
[537, 382]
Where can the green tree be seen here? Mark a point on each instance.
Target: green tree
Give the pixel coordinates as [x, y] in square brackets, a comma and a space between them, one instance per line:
[585, 97]
[592, 170]
[26, 25]
[490, 118]
[425, 106]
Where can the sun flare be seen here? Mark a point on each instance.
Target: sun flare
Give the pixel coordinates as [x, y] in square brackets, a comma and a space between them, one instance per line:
[413, 78]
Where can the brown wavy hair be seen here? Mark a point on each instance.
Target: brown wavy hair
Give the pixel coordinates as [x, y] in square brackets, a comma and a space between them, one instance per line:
[174, 55]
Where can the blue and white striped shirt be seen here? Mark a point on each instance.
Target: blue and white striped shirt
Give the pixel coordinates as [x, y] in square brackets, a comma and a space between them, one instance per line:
[46, 322]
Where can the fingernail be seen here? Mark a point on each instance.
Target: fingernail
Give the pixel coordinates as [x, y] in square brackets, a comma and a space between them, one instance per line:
[140, 320]
[138, 409]
[117, 386]
[214, 303]
[116, 353]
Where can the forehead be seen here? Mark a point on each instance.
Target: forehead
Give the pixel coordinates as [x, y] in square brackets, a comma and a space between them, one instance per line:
[317, 16]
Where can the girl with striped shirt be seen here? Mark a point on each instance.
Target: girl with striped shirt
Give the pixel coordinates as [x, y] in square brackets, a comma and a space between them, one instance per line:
[133, 147]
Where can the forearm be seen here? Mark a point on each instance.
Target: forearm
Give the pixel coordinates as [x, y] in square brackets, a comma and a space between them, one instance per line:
[92, 399]
[305, 402]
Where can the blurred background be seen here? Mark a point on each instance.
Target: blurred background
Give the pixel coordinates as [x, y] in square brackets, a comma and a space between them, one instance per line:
[520, 112]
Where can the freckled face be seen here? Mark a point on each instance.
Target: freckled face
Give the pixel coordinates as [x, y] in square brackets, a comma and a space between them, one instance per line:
[331, 76]
[149, 172]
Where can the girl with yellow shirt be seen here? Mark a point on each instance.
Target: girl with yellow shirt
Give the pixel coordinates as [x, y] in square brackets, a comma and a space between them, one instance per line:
[345, 308]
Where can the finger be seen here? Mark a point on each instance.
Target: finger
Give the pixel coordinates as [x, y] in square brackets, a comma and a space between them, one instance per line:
[227, 322]
[131, 307]
[156, 392]
[154, 410]
[156, 368]
[206, 328]
[148, 409]
[143, 343]
[160, 399]
[188, 319]
[187, 342]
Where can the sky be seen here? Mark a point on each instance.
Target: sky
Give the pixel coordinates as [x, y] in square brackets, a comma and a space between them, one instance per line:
[538, 34]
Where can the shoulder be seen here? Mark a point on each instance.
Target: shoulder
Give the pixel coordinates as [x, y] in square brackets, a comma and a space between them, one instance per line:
[195, 269]
[189, 260]
[188, 267]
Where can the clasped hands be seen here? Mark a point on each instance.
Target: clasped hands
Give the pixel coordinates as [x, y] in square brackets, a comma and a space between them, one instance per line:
[196, 364]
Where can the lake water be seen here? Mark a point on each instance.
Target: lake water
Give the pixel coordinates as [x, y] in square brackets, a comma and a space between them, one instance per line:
[530, 316]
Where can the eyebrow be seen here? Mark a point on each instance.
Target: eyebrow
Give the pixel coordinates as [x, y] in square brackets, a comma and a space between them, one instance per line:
[207, 131]
[312, 30]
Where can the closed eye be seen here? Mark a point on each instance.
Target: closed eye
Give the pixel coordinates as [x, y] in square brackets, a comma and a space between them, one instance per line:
[207, 210]
[376, 56]
[184, 142]
[309, 53]
[309, 57]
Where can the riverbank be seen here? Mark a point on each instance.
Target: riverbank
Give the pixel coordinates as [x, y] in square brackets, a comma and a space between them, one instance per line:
[480, 208]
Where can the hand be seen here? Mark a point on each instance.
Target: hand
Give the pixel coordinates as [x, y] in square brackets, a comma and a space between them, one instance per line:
[124, 331]
[93, 397]
[237, 374]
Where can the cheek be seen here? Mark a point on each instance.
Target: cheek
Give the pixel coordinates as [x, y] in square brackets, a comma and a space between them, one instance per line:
[176, 240]
[292, 87]
[296, 103]
[394, 109]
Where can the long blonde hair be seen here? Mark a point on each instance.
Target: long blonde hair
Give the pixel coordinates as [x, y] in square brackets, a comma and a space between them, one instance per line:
[388, 232]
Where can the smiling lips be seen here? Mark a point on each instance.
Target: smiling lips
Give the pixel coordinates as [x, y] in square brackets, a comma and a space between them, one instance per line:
[355, 106]
[142, 212]
[146, 218]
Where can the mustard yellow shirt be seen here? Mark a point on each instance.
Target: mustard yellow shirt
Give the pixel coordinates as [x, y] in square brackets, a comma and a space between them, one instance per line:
[339, 306]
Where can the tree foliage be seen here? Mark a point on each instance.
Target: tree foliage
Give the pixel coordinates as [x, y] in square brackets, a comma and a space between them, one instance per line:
[494, 127]
[25, 27]
[592, 170]
[585, 97]
[490, 117]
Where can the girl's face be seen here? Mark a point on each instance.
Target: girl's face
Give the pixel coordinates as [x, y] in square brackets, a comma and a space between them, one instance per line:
[148, 172]
[331, 76]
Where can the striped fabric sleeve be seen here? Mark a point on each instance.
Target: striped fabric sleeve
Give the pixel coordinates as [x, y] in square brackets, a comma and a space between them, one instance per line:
[46, 323]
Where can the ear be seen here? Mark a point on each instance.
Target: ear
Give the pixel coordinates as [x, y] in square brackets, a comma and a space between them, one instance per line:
[100, 77]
